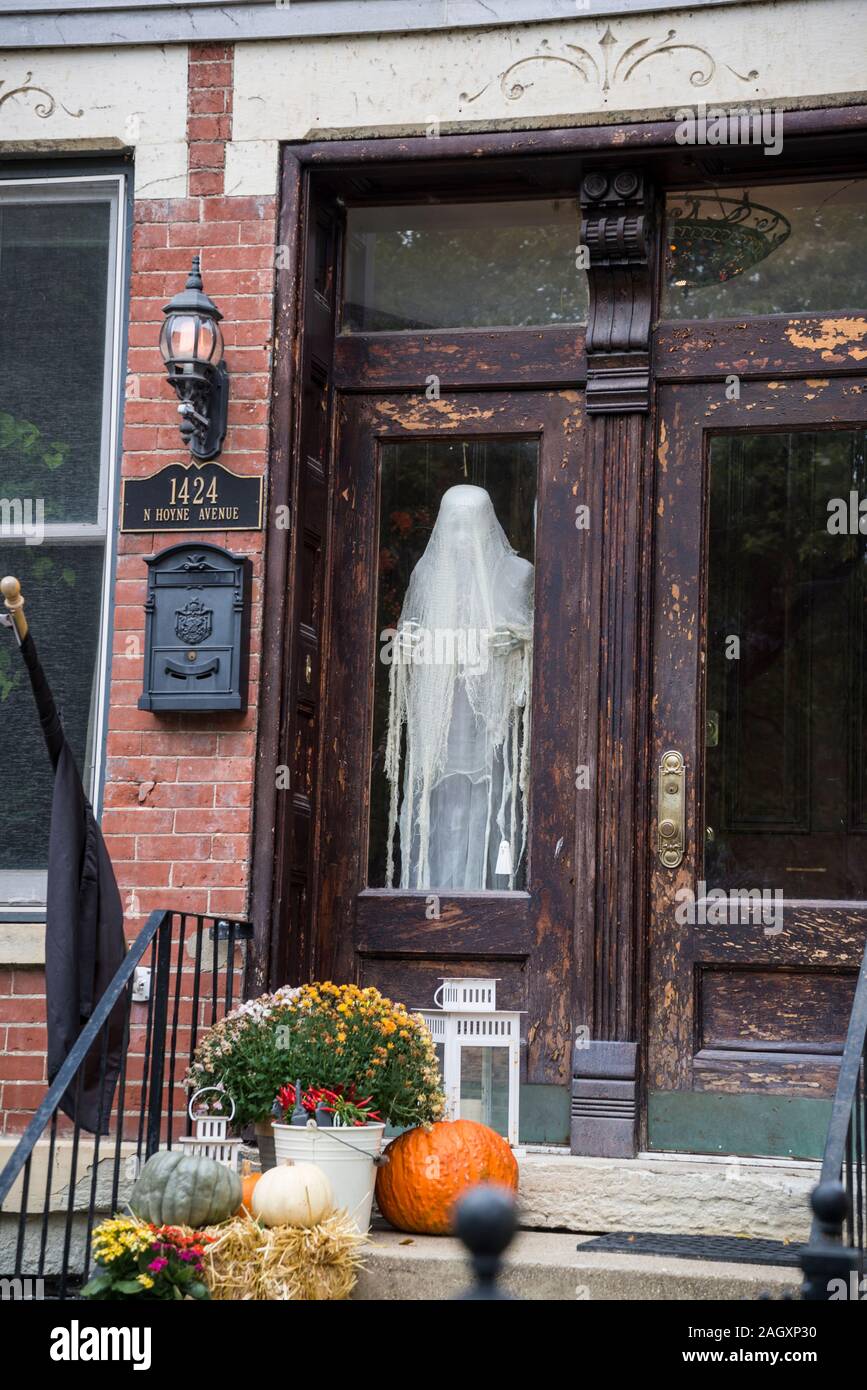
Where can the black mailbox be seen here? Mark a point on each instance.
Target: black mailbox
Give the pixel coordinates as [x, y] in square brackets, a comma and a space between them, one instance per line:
[197, 629]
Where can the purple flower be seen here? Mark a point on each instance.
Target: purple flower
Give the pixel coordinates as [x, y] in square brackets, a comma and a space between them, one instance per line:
[157, 1266]
[186, 1255]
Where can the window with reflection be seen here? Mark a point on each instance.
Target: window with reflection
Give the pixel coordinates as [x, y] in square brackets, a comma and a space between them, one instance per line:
[786, 715]
[58, 272]
[463, 265]
[776, 249]
[453, 667]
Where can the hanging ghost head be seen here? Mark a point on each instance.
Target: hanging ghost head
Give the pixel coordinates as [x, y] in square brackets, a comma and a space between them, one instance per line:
[461, 694]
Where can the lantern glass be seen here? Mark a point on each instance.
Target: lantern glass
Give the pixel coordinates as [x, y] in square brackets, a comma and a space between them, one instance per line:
[484, 1087]
[178, 338]
[210, 347]
[191, 338]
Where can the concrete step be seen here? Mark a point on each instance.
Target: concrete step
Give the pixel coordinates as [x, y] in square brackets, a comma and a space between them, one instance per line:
[681, 1194]
[548, 1267]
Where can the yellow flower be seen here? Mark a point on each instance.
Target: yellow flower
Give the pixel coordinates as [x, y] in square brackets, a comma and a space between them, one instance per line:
[146, 1281]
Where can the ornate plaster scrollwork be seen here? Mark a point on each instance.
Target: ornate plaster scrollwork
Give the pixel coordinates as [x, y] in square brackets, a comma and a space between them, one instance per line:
[43, 109]
[608, 68]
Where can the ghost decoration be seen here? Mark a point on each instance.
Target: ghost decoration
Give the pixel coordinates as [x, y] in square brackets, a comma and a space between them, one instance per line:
[460, 681]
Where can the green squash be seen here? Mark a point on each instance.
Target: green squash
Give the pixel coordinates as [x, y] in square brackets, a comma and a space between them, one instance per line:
[176, 1189]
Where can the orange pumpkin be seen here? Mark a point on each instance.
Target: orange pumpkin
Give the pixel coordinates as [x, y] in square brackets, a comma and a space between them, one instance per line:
[429, 1169]
[248, 1182]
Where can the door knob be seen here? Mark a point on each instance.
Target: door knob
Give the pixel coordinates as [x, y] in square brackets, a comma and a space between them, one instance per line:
[671, 803]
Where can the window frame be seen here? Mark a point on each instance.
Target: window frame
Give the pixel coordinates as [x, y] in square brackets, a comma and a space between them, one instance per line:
[53, 189]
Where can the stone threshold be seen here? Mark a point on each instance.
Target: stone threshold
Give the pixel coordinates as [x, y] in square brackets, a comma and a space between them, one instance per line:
[685, 1194]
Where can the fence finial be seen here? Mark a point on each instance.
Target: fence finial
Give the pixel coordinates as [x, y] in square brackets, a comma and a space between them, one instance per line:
[826, 1261]
[14, 602]
[486, 1221]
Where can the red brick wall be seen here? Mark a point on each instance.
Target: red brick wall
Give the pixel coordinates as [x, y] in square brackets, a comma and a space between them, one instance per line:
[178, 792]
[22, 1045]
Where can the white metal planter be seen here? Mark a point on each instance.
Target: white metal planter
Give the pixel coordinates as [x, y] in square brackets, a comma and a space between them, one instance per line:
[345, 1153]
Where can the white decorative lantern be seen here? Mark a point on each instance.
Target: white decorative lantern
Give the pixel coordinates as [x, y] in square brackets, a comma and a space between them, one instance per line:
[479, 1048]
[211, 1137]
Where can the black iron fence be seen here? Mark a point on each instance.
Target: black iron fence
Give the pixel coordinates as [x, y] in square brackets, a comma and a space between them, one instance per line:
[181, 974]
[834, 1261]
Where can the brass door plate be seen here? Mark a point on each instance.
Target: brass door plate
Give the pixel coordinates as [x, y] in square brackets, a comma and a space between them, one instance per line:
[671, 802]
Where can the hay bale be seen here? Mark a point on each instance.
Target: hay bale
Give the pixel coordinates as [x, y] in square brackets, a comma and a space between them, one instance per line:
[285, 1263]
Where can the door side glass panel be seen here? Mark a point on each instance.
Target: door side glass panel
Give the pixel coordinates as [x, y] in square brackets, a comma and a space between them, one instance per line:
[786, 695]
[463, 265]
[780, 249]
[453, 665]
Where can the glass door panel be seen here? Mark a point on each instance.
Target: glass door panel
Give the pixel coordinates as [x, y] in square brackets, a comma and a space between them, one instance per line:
[453, 668]
[785, 780]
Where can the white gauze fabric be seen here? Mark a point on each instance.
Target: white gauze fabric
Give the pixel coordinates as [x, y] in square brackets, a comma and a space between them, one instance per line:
[459, 687]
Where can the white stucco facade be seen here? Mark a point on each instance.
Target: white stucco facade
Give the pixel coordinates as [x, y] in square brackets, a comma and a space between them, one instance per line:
[791, 54]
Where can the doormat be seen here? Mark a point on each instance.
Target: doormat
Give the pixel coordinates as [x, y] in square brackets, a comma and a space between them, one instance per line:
[734, 1249]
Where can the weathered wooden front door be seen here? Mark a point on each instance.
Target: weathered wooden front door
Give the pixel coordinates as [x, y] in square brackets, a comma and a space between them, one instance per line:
[758, 751]
[706, 612]
[396, 454]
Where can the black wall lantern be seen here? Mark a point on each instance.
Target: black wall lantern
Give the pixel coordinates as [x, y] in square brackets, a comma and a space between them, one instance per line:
[192, 347]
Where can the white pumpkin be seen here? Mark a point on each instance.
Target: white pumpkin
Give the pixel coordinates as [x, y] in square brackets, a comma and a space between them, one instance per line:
[293, 1194]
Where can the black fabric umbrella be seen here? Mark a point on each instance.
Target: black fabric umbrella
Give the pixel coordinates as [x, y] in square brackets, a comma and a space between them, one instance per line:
[84, 939]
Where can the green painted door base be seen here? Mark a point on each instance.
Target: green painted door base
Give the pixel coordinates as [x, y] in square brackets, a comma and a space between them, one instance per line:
[545, 1114]
[750, 1125]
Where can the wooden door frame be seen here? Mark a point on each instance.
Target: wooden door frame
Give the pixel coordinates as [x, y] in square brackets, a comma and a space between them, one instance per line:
[608, 992]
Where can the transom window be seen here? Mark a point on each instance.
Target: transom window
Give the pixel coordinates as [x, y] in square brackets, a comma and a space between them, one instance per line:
[463, 265]
[791, 248]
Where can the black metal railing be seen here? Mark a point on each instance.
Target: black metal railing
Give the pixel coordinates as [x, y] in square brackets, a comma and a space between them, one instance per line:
[59, 1178]
[836, 1249]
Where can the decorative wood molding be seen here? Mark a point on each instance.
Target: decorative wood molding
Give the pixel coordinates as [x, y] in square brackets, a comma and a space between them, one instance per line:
[617, 230]
[609, 998]
[605, 1100]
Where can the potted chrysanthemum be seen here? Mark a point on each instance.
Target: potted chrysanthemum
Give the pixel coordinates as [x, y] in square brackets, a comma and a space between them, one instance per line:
[332, 1065]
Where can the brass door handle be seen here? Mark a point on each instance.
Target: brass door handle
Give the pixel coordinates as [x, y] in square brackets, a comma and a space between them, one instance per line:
[671, 813]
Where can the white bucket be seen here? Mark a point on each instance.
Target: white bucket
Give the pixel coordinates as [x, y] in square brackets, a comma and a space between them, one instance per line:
[345, 1153]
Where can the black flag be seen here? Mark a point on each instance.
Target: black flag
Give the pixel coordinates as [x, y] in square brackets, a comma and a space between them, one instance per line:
[84, 940]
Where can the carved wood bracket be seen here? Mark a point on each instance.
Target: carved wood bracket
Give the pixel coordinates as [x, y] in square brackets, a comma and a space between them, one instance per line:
[617, 229]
